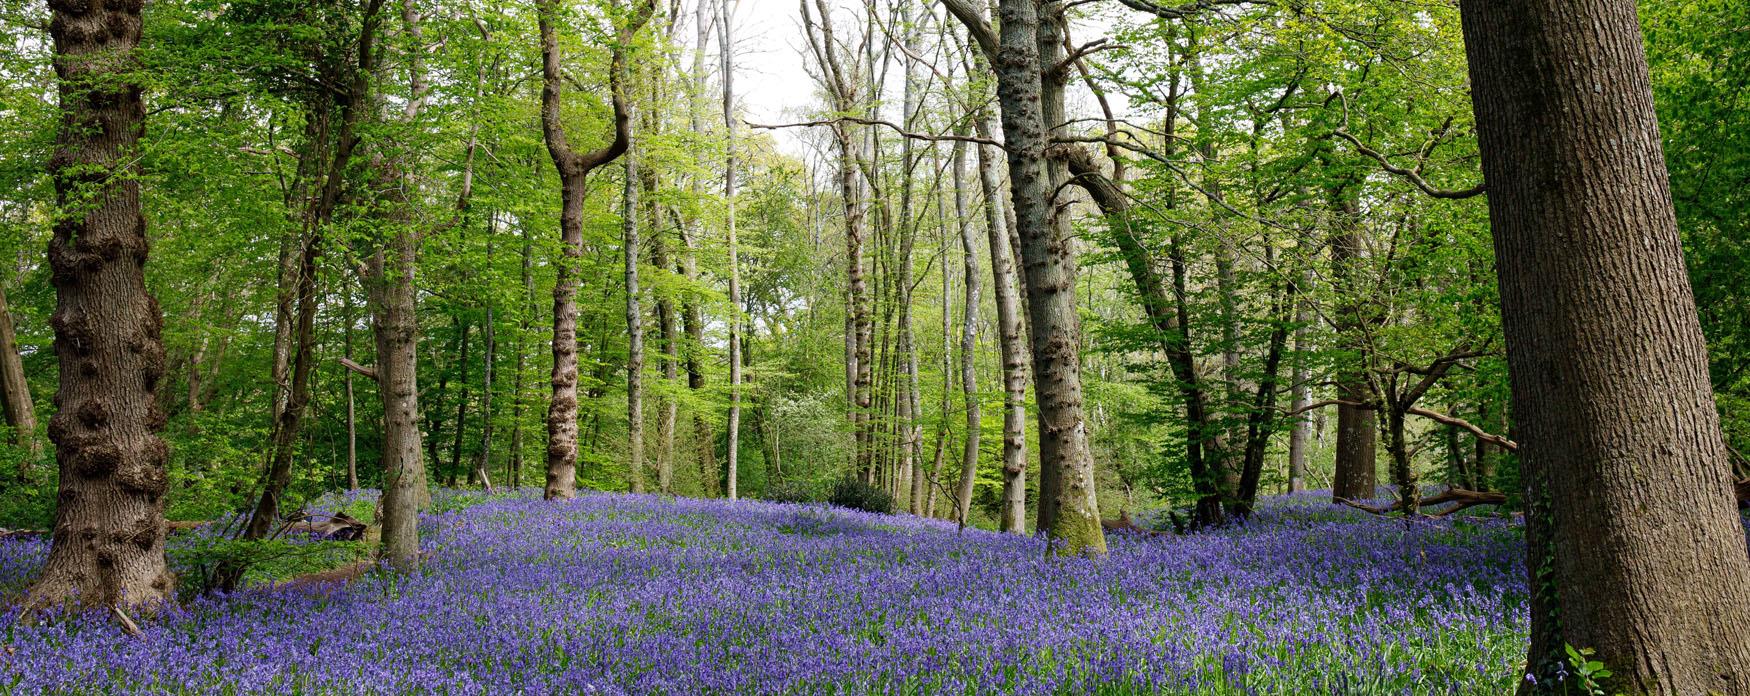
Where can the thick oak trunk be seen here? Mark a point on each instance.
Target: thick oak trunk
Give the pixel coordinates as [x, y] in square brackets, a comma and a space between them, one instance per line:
[108, 538]
[1620, 446]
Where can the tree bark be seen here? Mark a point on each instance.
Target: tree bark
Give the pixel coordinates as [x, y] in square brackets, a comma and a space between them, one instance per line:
[108, 538]
[1620, 445]
[389, 282]
[1050, 261]
[352, 444]
[1010, 342]
[860, 328]
[692, 319]
[1357, 466]
[15, 392]
[634, 324]
[734, 426]
[968, 338]
[1301, 390]
[461, 428]
[574, 169]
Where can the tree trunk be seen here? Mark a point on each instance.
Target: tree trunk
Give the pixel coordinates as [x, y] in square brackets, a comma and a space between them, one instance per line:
[692, 320]
[109, 518]
[1050, 260]
[634, 325]
[968, 339]
[860, 327]
[1357, 467]
[489, 339]
[461, 405]
[390, 283]
[515, 463]
[15, 392]
[1620, 444]
[574, 169]
[667, 405]
[728, 77]
[434, 410]
[1011, 346]
[1301, 390]
[352, 444]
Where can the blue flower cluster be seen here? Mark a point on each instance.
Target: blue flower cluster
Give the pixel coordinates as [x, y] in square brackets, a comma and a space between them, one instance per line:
[629, 594]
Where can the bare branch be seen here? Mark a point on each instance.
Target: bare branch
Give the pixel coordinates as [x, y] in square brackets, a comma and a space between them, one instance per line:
[1414, 176]
[367, 372]
[877, 122]
[970, 14]
[1186, 10]
[1457, 422]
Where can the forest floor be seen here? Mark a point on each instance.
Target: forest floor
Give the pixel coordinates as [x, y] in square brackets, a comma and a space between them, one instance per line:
[614, 593]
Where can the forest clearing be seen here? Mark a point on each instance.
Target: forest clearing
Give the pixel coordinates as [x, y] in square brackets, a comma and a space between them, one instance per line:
[875, 346]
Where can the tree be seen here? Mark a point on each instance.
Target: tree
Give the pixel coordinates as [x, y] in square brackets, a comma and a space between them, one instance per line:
[841, 88]
[109, 525]
[1027, 26]
[1633, 542]
[15, 392]
[727, 45]
[574, 169]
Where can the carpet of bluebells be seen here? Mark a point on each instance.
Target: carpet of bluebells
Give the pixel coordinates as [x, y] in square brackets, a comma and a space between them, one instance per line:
[625, 594]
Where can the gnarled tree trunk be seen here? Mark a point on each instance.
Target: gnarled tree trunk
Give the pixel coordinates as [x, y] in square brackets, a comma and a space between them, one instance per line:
[109, 518]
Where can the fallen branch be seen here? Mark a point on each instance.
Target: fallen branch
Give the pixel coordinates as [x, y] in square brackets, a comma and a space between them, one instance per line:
[128, 625]
[1125, 525]
[1462, 497]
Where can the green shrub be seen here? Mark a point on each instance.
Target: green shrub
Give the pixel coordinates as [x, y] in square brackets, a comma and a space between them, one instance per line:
[792, 491]
[857, 495]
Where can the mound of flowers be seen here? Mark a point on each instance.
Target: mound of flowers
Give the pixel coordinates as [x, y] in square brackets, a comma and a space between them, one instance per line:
[627, 594]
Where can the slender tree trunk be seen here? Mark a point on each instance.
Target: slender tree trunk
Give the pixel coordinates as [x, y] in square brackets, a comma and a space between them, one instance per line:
[434, 410]
[634, 324]
[352, 445]
[859, 324]
[109, 516]
[728, 77]
[667, 406]
[1301, 391]
[692, 319]
[489, 338]
[288, 424]
[456, 465]
[968, 338]
[15, 392]
[288, 419]
[574, 169]
[1010, 342]
[515, 462]
[1624, 465]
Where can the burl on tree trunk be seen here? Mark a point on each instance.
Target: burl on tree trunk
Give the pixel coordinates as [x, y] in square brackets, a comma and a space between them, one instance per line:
[108, 546]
